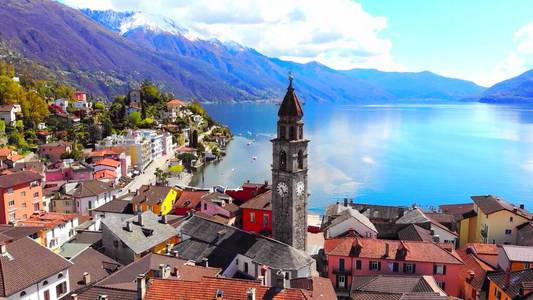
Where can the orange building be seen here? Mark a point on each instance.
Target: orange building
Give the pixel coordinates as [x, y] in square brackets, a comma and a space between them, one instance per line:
[514, 258]
[480, 261]
[21, 195]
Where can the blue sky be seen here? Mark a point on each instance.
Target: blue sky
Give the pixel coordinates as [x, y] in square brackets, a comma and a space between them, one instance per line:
[483, 41]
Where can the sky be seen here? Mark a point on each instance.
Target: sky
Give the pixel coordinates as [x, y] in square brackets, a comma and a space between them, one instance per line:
[484, 41]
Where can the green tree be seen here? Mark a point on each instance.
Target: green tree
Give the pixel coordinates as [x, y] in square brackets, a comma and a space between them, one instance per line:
[161, 176]
[10, 91]
[2, 127]
[134, 119]
[34, 108]
[99, 105]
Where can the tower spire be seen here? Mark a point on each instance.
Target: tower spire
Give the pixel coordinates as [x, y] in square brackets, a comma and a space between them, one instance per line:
[290, 106]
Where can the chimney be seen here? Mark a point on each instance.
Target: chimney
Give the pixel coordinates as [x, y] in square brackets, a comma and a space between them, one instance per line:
[3, 249]
[261, 278]
[345, 202]
[167, 248]
[250, 294]
[128, 226]
[432, 232]
[102, 297]
[74, 296]
[470, 276]
[436, 238]
[386, 250]
[205, 262]
[164, 271]
[176, 253]
[522, 206]
[86, 278]
[140, 219]
[141, 287]
[219, 295]
[164, 219]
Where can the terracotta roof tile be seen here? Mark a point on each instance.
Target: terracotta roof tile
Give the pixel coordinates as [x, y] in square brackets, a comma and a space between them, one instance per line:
[11, 180]
[48, 220]
[262, 202]
[490, 204]
[93, 262]
[108, 162]
[105, 174]
[189, 199]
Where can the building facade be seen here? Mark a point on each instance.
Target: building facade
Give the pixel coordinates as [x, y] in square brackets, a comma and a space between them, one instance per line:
[21, 195]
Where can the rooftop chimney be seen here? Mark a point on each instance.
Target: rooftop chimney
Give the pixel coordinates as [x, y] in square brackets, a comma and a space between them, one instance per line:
[205, 262]
[86, 278]
[261, 278]
[436, 238]
[219, 295]
[102, 297]
[141, 287]
[250, 294]
[470, 277]
[176, 253]
[140, 219]
[164, 271]
[522, 206]
[164, 219]
[346, 202]
[128, 226]
[74, 296]
[3, 249]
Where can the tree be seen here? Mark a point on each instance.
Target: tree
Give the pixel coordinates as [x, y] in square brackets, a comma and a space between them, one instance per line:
[10, 91]
[134, 119]
[161, 176]
[2, 127]
[34, 108]
[99, 105]
[176, 169]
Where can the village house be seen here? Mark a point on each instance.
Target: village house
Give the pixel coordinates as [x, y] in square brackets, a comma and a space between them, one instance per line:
[8, 113]
[232, 288]
[56, 229]
[90, 266]
[21, 195]
[378, 287]
[114, 154]
[218, 204]
[173, 109]
[524, 234]
[513, 258]
[53, 151]
[9, 157]
[158, 199]
[187, 201]
[493, 220]
[130, 239]
[119, 206]
[30, 271]
[136, 146]
[439, 232]
[68, 170]
[351, 256]
[61, 103]
[479, 260]
[240, 253]
[257, 214]
[247, 191]
[515, 285]
[110, 165]
[349, 220]
[83, 196]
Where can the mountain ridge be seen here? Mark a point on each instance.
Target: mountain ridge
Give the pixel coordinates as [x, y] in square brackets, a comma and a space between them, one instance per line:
[99, 55]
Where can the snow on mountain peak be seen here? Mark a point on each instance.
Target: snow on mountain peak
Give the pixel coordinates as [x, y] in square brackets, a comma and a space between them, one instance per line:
[151, 22]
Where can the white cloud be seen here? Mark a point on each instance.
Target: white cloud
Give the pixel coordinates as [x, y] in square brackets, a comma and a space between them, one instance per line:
[338, 33]
[517, 61]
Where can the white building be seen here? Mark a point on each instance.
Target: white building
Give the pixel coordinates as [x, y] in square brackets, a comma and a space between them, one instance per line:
[168, 146]
[90, 194]
[45, 274]
[351, 220]
[57, 228]
[155, 139]
[8, 113]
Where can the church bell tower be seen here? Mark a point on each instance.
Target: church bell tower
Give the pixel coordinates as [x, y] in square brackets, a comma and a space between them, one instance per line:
[289, 174]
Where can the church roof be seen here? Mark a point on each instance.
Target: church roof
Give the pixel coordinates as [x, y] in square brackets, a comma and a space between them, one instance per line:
[290, 107]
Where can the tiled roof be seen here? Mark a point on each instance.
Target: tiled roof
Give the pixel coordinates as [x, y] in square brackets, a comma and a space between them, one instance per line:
[209, 239]
[525, 234]
[317, 287]
[126, 276]
[108, 162]
[490, 204]
[118, 206]
[234, 289]
[105, 174]
[440, 217]
[373, 248]
[6, 107]
[417, 216]
[94, 292]
[175, 102]
[11, 232]
[11, 180]
[189, 199]
[4, 152]
[104, 152]
[512, 282]
[413, 232]
[518, 253]
[93, 262]
[457, 210]
[349, 213]
[55, 144]
[374, 287]
[262, 202]
[138, 240]
[87, 237]
[48, 220]
[27, 263]
[290, 107]
[90, 188]
[151, 194]
[473, 264]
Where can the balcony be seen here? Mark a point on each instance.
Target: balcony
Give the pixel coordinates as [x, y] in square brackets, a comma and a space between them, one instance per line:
[343, 271]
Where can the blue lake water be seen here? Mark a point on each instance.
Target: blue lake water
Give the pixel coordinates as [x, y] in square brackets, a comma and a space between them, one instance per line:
[398, 154]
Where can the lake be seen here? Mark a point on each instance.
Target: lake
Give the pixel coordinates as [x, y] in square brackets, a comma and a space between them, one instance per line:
[399, 154]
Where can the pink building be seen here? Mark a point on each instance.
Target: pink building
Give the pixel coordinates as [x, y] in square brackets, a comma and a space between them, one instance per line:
[80, 96]
[110, 165]
[125, 160]
[68, 170]
[218, 204]
[350, 256]
[53, 151]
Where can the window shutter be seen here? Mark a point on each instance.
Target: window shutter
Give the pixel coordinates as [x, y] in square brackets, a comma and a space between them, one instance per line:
[444, 270]
[414, 268]
[379, 266]
[370, 265]
[404, 267]
[434, 269]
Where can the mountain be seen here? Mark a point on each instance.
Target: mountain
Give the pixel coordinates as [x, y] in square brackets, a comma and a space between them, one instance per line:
[104, 52]
[518, 89]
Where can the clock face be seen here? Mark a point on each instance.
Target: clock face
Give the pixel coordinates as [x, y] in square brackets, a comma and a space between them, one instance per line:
[300, 188]
[282, 189]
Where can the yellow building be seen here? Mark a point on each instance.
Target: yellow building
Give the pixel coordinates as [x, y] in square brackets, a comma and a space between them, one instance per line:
[492, 220]
[158, 199]
[510, 286]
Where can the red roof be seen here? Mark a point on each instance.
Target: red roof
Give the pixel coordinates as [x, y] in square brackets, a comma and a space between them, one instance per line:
[104, 152]
[47, 219]
[105, 174]
[376, 249]
[290, 107]
[108, 162]
[261, 201]
[189, 199]
[234, 289]
[176, 102]
[4, 152]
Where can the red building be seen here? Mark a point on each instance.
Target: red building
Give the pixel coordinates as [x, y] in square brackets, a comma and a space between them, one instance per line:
[188, 200]
[257, 214]
[80, 96]
[348, 257]
[247, 191]
[21, 195]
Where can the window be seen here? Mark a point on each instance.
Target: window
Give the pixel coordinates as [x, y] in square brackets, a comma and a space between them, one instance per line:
[292, 133]
[301, 132]
[282, 132]
[497, 293]
[395, 267]
[282, 160]
[358, 265]
[12, 217]
[47, 295]
[23, 293]
[245, 267]
[35, 206]
[341, 281]
[252, 217]
[374, 265]
[36, 195]
[60, 276]
[23, 205]
[439, 269]
[205, 206]
[45, 282]
[341, 264]
[527, 265]
[510, 219]
[11, 203]
[300, 159]
[508, 231]
[265, 219]
[23, 194]
[90, 204]
[409, 268]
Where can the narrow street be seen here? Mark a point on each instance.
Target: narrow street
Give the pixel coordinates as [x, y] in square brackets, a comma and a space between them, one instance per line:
[147, 177]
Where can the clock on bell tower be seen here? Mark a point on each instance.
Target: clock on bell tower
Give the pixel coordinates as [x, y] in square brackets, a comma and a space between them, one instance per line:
[289, 174]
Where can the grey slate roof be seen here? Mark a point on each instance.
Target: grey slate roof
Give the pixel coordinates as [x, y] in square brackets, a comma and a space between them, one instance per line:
[348, 213]
[211, 239]
[518, 253]
[525, 234]
[138, 240]
[393, 287]
[413, 232]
